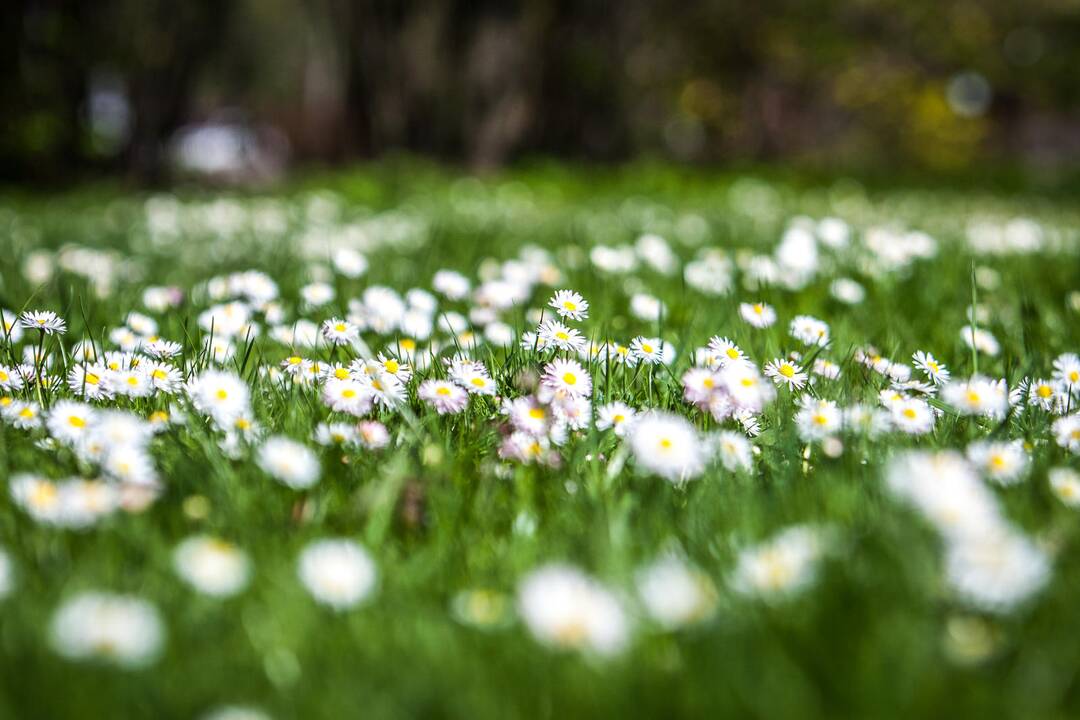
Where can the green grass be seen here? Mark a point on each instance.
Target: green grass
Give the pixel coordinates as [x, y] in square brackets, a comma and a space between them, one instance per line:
[441, 514]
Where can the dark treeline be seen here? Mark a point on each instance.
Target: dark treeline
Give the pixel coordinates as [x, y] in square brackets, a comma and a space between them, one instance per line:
[928, 83]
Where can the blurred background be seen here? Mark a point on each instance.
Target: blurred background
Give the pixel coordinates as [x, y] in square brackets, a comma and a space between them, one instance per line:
[244, 91]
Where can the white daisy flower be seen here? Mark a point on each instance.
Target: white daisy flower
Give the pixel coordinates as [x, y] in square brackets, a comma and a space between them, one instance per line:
[567, 376]
[46, 321]
[372, 435]
[1067, 432]
[674, 593]
[554, 334]
[447, 398]
[935, 371]
[566, 609]
[818, 419]
[1004, 463]
[348, 396]
[781, 566]
[338, 573]
[650, 351]
[1067, 371]
[328, 434]
[981, 340]
[758, 314]
[212, 566]
[122, 630]
[668, 445]
[912, 416]
[570, 305]
[291, 463]
[786, 372]
[616, 416]
[1065, 483]
[809, 330]
[340, 332]
[69, 421]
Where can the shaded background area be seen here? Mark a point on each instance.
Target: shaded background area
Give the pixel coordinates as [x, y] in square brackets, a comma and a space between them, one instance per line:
[244, 90]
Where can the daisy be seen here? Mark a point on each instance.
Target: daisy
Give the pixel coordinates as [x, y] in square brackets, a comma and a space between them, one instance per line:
[733, 450]
[385, 389]
[975, 396]
[570, 305]
[221, 395]
[648, 350]
[817, 420]
[212, 566]
[1067, 432]
[758, 315]
[554, 334]
[451, 284]
[163, 376]
[1065, 483]
[785, 372]
[935, 371]
[727, 350]
[809, 330]
[372, 434]
[746, 388]
[981, 340]
[1002, 462]
[447, 398]
[348, 396]
[46, 321]
[572, 412]
[1067, 371]
[475, 379]
[338, 573]
[781, 566]
[617, 416]
[162, 349]
[23, 415]
[668, 445]
[328, 434]
[567, 376]
[620, 354]
[122, 630]
[10, 328]
[289, 462]
[528, 415]
[911, 416]
[132, 383]
[1047, 395]
[566, 609]
[823, 367]
[340, 332]
[69, 421]
[393, 366]
[699, 385]
[10, 379]
[524, 447]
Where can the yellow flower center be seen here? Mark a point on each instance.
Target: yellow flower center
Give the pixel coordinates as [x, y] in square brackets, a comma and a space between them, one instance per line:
[76, 421]
[1044, 391]
[340, 327]
[647, 348]
[26, 412]
[442, 390]
[708, 382]
[787, 371]
[562, 336]
[569, 306]
[159, 416]
[536, 413]
[570, 379]
[733, 353]
[909, 413]
[222, 394]
[973, 397]
[159, 374]
[92, 379]
[665, 444]
[348, 393]
[618, 418]
[407, 344]
[478, 382]
[392, 366]
[295, 360]
[758, 308]
[341, 373]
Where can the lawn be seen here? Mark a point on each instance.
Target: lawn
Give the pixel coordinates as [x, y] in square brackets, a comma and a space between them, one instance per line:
[339, 449]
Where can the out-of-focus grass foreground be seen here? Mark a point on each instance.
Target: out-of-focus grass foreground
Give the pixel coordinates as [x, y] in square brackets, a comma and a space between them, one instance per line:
[557, 443]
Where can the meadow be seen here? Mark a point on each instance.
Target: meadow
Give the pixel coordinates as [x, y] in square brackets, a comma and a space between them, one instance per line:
[556, 443]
